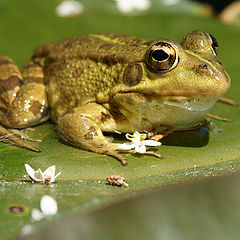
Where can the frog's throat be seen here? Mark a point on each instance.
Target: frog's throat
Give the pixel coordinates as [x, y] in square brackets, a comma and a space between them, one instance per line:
[180, 113]
[197, 104]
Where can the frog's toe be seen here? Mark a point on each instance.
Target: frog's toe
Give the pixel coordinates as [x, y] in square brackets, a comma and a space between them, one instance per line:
[110, 150]
[119, 157]
[15, 137]
[22, 135]
[151, 153]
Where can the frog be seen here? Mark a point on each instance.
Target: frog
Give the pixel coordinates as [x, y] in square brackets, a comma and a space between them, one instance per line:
[105, 83]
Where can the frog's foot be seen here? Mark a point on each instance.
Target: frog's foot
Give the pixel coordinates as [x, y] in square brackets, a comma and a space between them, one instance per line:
[16, 137]
[157, 137]
[151, 153]
[81, 127]
[224, 100]
[23, 135]
[228, 101]
[219, 118]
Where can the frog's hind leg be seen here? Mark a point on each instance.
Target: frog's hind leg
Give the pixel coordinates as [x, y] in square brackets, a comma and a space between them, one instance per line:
[82, 128]
[23, 99]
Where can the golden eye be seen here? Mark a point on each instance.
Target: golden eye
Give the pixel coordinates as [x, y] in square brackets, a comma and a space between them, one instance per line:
[161, 57]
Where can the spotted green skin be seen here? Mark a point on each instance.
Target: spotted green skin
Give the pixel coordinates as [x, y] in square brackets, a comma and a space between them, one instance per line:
[106, 83]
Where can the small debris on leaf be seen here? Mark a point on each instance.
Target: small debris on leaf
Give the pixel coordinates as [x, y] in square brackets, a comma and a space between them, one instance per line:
[117, 180]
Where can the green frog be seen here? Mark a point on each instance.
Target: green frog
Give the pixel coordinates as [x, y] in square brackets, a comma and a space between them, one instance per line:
[112, 83]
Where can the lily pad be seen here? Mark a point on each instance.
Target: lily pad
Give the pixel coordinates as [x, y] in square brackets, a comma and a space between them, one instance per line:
[82, 187]
[178, 212]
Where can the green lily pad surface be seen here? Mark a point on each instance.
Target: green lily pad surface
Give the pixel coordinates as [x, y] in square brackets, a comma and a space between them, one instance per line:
[81, 188]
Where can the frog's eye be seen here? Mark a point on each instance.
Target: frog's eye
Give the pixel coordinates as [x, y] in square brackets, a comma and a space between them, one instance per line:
[161, 57]
[214, 44]
[201, 43]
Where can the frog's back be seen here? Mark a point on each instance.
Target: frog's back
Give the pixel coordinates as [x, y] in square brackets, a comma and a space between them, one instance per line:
[98, 47]
[85, 69]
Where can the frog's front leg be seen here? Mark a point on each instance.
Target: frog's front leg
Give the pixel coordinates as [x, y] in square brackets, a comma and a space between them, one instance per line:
[23, 100]
[82, 127]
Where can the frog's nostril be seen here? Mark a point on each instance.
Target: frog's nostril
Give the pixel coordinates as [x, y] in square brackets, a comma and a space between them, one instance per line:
[203, 66]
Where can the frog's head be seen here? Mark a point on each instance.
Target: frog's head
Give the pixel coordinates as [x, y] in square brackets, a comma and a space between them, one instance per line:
[184, 75]
[187, 69]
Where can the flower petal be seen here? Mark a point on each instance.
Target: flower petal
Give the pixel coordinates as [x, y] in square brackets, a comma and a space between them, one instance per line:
[53, 178]
[48, 205]
[140, 148]
[38, 175]
[151, 143]
[142, 5]
[129, 136]
[69, 8]
[137, 137]
[34, 175]
[27, 229]
[30, 171]
[50, 171]
[37, 214]
[126, 146]
[124, 6]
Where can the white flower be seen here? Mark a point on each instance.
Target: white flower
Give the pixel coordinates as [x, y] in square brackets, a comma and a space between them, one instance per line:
[127, 6]
[48, 206]
[69, 8]
[37, 215]
[138, 143]
[36, 176]
[48, 176]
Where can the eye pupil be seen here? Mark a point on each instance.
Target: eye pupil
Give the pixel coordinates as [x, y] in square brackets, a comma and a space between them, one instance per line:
[160, 55]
